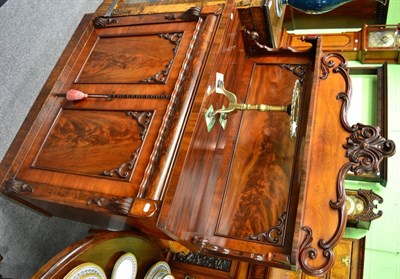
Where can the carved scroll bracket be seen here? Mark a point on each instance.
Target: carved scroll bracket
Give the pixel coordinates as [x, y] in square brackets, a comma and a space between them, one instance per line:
[274, 235]
[299, 70]
[365, 148]
[255, 47]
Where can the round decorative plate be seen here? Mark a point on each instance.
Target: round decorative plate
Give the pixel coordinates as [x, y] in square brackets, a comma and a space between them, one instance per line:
[125, 267]
[87, 271]
[157, 268]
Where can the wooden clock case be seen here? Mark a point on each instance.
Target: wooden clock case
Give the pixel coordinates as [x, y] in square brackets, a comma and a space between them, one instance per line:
[379, 54]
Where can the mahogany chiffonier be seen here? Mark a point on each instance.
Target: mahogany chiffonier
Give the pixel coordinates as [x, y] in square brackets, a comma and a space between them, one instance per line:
[193, 130]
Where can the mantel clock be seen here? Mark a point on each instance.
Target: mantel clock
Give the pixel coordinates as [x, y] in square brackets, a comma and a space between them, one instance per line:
[380, 43]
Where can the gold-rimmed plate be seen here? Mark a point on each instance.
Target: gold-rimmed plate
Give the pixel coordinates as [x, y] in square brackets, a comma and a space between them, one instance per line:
[87, 271]
[125, 267]
[157, 269]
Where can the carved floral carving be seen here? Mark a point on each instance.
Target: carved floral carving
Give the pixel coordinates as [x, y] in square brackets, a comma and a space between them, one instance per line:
[366, 149]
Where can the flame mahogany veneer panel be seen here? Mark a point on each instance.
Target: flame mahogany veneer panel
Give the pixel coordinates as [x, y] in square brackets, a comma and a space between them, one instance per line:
[261, 169]
[128, 59]
[79, 138]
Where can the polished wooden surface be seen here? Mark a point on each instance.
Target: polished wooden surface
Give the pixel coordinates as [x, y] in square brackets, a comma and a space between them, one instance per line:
[103, 249]
[263, 140]
[347, 44]
[349, 264]
[112, 155]
[145, 158]
[261, 16]
[229, 204]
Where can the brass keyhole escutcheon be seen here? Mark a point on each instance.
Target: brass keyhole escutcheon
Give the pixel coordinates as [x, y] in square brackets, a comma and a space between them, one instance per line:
[346, 261]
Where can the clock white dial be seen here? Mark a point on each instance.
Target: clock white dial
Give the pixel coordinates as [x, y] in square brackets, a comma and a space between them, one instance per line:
[381, 39]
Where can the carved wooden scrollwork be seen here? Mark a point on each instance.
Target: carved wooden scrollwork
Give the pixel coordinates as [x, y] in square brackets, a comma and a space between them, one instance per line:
[205, 245]
[14, 186]
[192, 14]
[365, 148]
[204, 260]
[124, 170]
[298, 70]
[368, 214]
[115, 205]
[274, 235]
[100, 21]
[255, 47]
[252, 38]
[162, 75]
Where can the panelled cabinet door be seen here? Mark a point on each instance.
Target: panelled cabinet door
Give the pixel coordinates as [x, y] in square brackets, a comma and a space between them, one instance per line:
[103, 151]
[238, 192]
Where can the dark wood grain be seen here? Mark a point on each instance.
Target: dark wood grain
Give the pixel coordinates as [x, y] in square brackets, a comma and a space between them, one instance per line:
[205, 184]
[90, 142]
[95, 145]
[126, 59]
[260, 175]
[145, 159]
